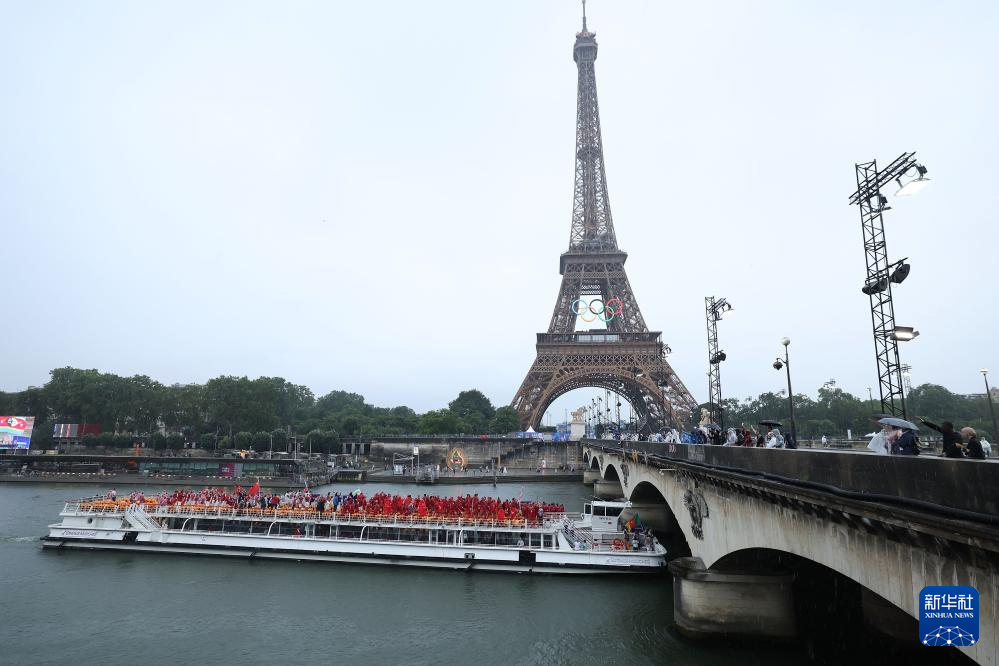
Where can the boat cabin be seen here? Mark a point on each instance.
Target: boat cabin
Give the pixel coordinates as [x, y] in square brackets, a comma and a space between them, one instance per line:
[603, 515]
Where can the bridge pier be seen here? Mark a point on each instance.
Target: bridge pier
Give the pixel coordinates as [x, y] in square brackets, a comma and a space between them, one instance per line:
[709, 603]
[591, 476]
[651, 514]
[607, 489]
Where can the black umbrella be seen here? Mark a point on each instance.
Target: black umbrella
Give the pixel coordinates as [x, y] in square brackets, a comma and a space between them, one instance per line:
[773, 424]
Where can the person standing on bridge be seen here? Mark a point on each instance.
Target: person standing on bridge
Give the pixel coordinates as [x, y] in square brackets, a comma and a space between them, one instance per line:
[974, 447]
[952, 445]
[906, 444]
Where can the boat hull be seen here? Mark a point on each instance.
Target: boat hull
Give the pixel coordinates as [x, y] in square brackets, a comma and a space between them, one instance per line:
[362, 553]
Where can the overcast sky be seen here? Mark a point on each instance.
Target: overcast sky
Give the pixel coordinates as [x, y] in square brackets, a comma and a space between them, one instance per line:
[373, 196]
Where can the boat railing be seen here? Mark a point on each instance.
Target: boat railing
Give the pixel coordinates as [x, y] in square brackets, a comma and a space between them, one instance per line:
[597, 541]
[287, 513]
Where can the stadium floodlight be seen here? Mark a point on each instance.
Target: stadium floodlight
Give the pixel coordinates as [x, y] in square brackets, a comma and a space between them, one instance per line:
[913, 186]
[904, 333]
[899, 274]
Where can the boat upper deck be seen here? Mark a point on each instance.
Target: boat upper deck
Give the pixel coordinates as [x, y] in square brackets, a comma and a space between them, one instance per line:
[92, 506]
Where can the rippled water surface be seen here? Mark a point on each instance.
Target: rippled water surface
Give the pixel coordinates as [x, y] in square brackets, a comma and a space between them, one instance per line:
[110, 608]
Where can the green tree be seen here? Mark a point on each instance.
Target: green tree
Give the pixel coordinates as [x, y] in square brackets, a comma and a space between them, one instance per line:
[158, 441]
[441, 421]
[280, 438]
[937, 404]
[472, 402]
[261, 441]
[505, 420]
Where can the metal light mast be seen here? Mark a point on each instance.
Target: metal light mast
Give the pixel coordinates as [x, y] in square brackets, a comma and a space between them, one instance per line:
[881, 274]
[713, 309]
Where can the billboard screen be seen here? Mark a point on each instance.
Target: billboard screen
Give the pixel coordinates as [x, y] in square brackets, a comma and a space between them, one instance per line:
[75, 430]
[15, 431]
[66, 430]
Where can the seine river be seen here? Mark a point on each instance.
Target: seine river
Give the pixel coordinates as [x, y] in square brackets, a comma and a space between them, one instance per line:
[109, 608]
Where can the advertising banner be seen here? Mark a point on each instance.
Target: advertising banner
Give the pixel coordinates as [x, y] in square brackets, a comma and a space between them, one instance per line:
[15, 431]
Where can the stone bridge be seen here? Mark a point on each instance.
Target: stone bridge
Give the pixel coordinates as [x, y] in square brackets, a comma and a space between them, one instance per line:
[755, 531]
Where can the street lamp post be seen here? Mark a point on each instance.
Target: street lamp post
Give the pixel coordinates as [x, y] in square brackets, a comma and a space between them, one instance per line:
[786, 363]
[988, 396]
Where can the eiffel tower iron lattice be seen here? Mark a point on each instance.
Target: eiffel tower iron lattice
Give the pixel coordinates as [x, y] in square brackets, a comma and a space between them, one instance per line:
[625, 357]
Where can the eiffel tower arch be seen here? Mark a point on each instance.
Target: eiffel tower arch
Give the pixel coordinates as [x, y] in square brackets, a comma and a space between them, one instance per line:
[625, 356]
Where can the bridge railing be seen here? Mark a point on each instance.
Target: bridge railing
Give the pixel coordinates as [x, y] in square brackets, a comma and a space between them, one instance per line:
[920, 482]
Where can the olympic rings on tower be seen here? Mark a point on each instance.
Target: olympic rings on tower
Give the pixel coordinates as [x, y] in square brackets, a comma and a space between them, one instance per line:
[589, 313]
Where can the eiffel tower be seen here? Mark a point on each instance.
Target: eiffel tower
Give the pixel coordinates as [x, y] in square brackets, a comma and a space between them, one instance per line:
[624, 356]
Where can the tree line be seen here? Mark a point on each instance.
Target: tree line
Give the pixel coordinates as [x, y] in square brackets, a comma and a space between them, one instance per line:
[233, 412]
[243, 413]
[835, 411]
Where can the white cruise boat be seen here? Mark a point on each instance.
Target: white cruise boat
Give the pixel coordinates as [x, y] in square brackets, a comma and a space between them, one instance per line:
[558, 544]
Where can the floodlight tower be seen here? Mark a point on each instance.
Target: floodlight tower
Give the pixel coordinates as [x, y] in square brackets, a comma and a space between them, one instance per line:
[713, 309]
[881, 274]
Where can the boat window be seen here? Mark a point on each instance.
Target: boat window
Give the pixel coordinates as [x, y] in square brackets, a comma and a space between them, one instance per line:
[598, 510]
[587, 509]
[548, 540]
[614, 510]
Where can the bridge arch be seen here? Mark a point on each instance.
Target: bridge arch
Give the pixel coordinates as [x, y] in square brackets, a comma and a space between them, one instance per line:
[641, 392]
[594, 463]
[735, 525]
[646, 492]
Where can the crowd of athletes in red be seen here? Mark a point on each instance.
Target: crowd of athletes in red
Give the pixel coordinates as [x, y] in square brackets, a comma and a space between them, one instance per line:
[380, 504]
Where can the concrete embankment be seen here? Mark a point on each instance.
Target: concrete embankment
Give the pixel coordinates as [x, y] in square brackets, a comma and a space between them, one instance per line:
[463, 480]
[284, 483]
[137, 480]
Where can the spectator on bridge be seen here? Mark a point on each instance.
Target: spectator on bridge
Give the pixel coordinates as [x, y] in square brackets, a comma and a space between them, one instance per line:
[906, 444]
[775, 440]
[952, 444]
[973, 446]
[732, 439]
[879, 443]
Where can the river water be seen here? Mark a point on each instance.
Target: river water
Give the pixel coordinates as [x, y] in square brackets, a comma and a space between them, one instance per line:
[125, 608]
